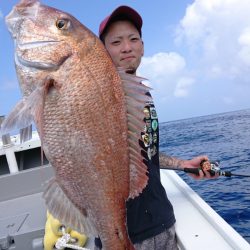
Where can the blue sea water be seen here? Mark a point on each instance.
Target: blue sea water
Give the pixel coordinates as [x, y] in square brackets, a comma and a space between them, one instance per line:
[224, 138]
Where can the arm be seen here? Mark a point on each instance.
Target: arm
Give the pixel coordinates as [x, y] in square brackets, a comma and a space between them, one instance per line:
[172, 162]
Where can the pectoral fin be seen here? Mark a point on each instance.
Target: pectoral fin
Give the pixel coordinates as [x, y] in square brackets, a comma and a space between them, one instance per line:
[62, 208]
[26, 111]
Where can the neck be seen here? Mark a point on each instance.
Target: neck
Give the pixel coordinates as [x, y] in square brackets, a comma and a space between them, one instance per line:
[131, 71]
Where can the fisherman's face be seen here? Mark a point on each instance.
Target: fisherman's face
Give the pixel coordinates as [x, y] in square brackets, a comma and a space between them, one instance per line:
[124, 44]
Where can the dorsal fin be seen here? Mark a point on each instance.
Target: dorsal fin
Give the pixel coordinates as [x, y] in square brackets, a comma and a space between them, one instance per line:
[136, 100]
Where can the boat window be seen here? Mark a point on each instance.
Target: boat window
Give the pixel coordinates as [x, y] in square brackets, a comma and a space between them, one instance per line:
[4, 169]
[30, 158]
[26, 159]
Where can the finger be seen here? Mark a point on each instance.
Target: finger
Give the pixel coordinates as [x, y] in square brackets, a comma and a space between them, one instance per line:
[204, 158]
[201, 173]
[215, 175]
[207, 174]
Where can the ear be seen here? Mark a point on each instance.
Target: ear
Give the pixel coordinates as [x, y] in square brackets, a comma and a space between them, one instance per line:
[142, 52]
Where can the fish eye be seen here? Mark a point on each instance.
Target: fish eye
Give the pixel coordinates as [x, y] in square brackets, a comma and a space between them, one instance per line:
[62, 24]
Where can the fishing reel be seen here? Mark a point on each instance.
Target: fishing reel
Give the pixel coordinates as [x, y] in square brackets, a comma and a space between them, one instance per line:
[212, 167]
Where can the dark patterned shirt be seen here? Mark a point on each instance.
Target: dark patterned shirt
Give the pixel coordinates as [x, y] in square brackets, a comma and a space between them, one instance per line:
[151, 212]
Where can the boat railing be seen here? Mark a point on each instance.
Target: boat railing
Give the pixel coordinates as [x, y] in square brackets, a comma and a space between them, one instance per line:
[12, 145]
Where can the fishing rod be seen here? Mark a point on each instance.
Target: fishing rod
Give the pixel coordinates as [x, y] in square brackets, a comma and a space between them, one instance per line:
[212, 167]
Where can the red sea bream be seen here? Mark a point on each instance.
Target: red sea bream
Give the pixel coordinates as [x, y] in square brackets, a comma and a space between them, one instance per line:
[89, 116]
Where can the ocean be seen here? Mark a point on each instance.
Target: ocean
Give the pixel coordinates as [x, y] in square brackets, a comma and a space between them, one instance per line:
[224, 138]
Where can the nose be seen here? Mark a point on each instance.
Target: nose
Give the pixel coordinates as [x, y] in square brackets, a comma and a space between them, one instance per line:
[126, 46]
[12, 21]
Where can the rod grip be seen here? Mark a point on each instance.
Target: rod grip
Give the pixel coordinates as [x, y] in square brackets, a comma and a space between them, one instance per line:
[192, 170]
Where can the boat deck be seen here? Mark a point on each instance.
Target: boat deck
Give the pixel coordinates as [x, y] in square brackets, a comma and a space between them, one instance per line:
[198, 226]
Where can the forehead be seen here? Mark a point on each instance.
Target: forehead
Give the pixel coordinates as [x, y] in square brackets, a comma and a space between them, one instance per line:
[121, 28]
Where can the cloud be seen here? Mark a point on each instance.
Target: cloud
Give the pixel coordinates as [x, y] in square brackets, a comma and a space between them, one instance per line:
[244, 42]
[211, 71]
[162, 63]
[215, 39]
[183, 86]
[217, 34]
[167, 74]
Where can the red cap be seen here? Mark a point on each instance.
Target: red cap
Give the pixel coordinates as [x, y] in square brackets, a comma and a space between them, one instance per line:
[123, 12]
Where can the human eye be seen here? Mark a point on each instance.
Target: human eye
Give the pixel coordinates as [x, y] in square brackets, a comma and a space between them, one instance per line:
[134, 39]
[116, 42]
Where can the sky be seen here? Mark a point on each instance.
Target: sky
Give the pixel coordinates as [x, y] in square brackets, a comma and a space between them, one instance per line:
[197, 52]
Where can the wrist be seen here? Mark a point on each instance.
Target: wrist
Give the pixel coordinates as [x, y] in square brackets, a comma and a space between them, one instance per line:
[181, 164]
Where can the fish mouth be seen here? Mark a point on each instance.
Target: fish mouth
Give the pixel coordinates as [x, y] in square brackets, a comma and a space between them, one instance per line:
[36, 44]
[35, 64]
[20, 61]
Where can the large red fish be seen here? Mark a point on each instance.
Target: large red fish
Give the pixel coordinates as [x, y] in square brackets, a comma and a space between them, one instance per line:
[89, 116]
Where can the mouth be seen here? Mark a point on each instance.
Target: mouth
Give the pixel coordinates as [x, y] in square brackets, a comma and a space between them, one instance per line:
[36, 44]
[34, 64]
[128, 58]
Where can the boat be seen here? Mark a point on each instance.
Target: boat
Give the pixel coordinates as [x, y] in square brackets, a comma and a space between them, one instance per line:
[23, 210]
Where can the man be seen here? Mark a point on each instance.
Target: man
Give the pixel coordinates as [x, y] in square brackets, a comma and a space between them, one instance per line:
[150, 216]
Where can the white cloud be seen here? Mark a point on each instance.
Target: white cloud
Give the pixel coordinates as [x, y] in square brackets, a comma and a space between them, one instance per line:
[244, 42]
[167, 74]
[162, 63]
[217, 33]
[183, 86]
[214, 36]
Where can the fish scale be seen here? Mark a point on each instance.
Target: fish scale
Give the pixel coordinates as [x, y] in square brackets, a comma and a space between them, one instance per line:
[89, 116]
